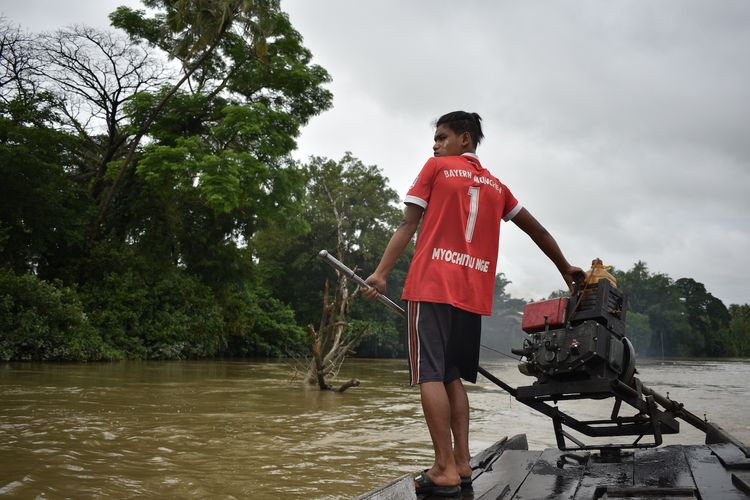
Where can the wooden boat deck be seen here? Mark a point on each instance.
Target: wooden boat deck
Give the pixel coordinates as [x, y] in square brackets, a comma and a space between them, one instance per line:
[509, 470]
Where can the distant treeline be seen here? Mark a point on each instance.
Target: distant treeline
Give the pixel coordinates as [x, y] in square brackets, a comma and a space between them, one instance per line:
[664, 318]
[153, 211]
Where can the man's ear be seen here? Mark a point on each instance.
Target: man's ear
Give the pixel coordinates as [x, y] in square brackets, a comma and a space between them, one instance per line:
[466, 141]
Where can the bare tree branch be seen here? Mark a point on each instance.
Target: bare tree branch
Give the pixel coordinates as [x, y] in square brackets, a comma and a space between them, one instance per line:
[96, 73]
[106, 201]
[18, 63]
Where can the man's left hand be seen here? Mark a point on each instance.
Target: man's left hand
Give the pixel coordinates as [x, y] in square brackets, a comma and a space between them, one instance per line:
[574, 275]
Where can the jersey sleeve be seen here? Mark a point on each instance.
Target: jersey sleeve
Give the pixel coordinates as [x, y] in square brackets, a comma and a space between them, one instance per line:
[421, 189]
[512, 207]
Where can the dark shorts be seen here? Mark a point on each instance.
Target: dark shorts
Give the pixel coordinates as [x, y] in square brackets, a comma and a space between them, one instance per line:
[443, 343]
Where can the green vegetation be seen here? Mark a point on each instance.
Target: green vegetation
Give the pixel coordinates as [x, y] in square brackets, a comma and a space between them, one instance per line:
[159, 215]
[680, 318]
[134, 191]
[664, 318]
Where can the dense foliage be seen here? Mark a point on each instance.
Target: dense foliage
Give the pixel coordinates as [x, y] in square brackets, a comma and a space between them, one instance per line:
[150, 208]
[680, 318]
[664, 317]
[134, 190]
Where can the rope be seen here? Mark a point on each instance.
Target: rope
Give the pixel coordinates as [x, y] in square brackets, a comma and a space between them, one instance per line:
[500, 352]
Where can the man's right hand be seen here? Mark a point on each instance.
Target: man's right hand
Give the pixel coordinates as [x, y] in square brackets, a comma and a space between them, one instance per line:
[377, 285]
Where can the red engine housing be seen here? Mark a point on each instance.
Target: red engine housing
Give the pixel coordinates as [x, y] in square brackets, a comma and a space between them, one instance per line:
[535, 314]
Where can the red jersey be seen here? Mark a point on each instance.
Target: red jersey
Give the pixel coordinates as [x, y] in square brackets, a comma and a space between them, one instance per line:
[456, 253]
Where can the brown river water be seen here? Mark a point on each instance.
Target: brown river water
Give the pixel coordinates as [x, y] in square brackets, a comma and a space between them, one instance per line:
[244, 429]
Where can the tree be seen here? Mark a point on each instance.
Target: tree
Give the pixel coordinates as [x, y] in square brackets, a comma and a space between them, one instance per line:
[176, 179]
[245, 48]
[94, 74]
[18, 64]
[43, 211]
[45, 322]
[739, 329]
[349, 210]
[656, 297]
[218, 165]
[195, 34]
[368, 215]
[706, 315]
[217, 168]
[354, 201]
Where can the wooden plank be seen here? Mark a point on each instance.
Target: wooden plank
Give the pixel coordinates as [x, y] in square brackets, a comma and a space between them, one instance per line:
[547, 480]
[730, 455]
[600, 475]
[403, 487]
[711, 478]
[485, 457]
[665, 467]
[505, 475]
[647, 493]
[741, 479]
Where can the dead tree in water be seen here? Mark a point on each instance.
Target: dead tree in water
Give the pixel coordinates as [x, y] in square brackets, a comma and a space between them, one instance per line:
[354, 203]
[334, 338]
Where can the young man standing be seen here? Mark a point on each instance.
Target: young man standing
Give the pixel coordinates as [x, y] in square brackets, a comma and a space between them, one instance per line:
[450, 284]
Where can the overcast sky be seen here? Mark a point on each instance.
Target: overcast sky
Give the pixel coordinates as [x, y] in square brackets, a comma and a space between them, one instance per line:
[623, 126]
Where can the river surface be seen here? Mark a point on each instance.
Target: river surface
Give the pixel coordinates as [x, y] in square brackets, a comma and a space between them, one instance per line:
[245, 429]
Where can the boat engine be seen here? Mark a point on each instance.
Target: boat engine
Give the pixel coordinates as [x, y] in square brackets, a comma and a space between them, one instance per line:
[578, 339]
[576, 349]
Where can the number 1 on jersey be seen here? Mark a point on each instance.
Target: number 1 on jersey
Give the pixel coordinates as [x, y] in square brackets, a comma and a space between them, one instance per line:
[473, 208]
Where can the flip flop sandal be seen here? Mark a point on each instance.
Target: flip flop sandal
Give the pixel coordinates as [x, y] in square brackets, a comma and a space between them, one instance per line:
[424, 486]
[466, 483]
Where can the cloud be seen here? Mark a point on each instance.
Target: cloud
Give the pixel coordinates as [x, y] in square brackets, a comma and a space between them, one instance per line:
[621, 126]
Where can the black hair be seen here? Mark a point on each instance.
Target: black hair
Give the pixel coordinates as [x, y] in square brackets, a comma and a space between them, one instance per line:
[461, 121]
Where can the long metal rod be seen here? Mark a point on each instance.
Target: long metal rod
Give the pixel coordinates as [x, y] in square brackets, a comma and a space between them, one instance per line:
[341, 267]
